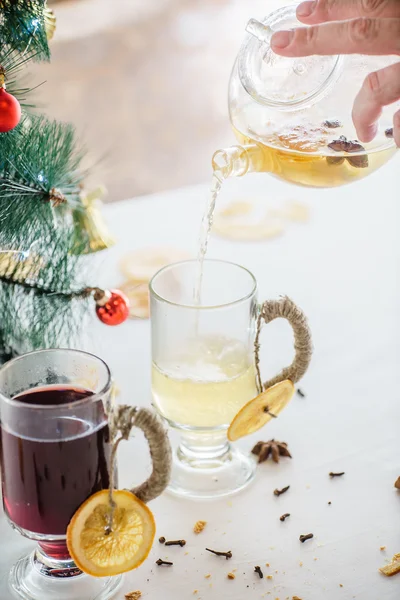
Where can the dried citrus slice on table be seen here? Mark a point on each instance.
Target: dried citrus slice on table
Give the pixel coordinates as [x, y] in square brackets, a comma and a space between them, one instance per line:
[256, 413]
[248, 233]
[141, 265]
[293, 211]
[100, 553]
[139, 300]
[247, 221]
[236, 208]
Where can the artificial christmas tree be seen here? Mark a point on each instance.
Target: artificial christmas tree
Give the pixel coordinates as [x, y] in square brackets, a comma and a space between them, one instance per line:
[47, 221]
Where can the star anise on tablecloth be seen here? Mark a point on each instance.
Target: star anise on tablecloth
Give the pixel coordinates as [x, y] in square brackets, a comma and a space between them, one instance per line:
[272, 448]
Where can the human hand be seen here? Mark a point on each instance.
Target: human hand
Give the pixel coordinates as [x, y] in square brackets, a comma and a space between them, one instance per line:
[352, 27]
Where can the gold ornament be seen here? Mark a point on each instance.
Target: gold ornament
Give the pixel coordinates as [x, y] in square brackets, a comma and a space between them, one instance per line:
[20, 266]
[49, 22]
[91, 225]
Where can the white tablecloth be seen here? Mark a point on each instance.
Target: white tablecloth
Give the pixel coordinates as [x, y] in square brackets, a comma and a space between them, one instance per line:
[343, 269]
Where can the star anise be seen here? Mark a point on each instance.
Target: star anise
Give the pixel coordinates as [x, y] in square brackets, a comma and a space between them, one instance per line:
[276, 449]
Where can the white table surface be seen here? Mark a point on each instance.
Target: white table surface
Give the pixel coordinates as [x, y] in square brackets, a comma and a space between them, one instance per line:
[343, 269]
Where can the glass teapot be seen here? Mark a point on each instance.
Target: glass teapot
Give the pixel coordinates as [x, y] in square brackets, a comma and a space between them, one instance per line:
[292, 116]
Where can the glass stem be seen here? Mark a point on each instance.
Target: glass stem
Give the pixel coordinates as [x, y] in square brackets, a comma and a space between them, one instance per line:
[51, 566]
[202, 449]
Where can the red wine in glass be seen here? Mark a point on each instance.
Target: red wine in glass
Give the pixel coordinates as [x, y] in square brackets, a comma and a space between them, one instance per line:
[45, 482]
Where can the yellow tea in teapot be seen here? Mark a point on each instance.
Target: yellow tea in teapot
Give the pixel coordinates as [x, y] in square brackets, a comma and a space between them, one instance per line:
[302, 156]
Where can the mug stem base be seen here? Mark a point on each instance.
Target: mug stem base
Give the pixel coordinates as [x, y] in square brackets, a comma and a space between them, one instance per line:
[33, 577]
[208, 472]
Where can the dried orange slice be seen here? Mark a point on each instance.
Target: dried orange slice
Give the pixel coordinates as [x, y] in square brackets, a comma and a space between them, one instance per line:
[256, 413]
[141, 265]
[102, 554]
[139, 300]
[237, 208]
[248, 233]
[247, 221]
[293, 211]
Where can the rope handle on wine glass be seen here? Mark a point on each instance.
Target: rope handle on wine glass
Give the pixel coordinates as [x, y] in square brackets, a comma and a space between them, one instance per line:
[160, 452]
[285, 308]
[123, 418]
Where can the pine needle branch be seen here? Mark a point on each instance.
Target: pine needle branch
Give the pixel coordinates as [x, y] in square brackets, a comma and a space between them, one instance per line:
[42, 300]
[40, 181]
[45, 225]
[23, 28]
[40, 290]
[12, 66]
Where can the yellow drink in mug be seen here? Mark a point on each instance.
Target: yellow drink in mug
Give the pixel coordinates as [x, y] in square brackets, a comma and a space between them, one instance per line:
[203, 370]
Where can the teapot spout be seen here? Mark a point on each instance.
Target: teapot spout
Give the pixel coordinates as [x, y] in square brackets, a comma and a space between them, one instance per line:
[236, 161]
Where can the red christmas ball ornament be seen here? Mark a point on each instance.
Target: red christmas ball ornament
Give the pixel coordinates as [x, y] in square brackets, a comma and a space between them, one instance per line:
[10, 111]
[112, 307]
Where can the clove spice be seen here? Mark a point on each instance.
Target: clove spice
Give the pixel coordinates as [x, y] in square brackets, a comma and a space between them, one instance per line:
[284, 517]
[266, 410]
[300, 393]
[226, 554]
[180, 543]
[161, 539]
[304, 538]
[161, 562]
[332, 475]
[389, 132]
[282, 491]
[259, 572]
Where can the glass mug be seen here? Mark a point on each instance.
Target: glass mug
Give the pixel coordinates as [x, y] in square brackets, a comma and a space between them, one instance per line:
[55, 453]
[203, 368]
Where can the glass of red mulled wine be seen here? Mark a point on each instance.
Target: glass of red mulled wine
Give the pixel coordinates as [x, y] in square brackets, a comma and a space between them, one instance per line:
[54, 454]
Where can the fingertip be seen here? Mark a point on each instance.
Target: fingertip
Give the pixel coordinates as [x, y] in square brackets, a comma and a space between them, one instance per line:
[281, 39]
[367, 132]
[305, 10]
[396, 128]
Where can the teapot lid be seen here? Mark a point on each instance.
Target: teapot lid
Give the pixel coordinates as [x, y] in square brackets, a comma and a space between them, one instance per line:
[281, 82]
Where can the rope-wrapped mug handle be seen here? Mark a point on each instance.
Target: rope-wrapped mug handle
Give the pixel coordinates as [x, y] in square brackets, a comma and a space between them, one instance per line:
[285, 308]
[122, 419]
